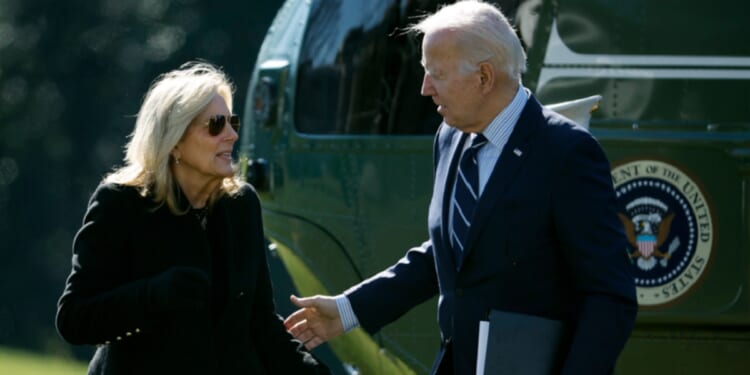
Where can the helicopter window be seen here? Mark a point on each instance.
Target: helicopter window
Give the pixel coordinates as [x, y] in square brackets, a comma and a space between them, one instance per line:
[631, 27]
[359, 73]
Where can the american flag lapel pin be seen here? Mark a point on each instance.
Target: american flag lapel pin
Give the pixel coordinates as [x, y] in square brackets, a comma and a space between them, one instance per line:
[517, 152]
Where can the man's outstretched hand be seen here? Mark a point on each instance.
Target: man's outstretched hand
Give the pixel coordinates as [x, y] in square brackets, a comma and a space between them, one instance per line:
[316, 322]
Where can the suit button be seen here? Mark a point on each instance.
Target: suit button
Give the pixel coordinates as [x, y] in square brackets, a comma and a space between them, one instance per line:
[106, 343]
[128, 334]
[459, 292]
[137, 330]
[119, 338]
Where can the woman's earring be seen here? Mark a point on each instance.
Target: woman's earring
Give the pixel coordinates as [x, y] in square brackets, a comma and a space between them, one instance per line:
[177, 161]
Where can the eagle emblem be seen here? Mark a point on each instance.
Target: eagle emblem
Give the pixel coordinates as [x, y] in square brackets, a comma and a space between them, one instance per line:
[668, 225]
[647, 233]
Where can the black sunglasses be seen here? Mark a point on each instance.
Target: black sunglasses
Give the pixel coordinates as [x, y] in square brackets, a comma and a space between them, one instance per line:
[216, 124]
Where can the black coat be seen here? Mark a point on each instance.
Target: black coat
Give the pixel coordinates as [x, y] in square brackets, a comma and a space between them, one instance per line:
[122, 248]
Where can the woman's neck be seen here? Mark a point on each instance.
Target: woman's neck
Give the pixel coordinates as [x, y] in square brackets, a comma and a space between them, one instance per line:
[197, 192]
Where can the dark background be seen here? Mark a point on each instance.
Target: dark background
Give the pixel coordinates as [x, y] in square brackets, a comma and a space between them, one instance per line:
[72, 76]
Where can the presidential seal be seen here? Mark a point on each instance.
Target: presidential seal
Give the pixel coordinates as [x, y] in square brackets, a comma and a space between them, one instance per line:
[669, 228]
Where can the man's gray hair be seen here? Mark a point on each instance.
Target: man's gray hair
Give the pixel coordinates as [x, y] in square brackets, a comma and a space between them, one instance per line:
[482, 32]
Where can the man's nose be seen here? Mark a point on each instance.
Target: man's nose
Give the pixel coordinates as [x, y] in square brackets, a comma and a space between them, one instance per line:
[427, 88]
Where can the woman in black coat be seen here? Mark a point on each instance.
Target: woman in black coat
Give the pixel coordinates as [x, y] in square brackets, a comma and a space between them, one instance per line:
[169, 270]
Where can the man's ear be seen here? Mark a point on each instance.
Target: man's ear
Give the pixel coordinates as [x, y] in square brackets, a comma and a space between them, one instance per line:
[487, 76]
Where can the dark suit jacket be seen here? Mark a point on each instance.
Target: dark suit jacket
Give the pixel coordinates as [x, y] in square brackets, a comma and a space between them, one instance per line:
[124, 242]
[545, 241]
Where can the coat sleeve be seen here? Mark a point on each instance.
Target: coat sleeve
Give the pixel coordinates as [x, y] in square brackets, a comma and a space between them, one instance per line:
[406, 284]
[94, 306]
[277, 349]
[594, 245]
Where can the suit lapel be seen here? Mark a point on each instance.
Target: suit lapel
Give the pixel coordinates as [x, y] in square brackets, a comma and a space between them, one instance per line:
[513, 156]
[447, 150]
[455, 156]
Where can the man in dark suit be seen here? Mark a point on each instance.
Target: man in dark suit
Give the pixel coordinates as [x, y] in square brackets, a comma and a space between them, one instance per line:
[522, 217]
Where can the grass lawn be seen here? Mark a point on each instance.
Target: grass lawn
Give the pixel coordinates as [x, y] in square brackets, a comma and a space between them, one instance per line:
[18, 362]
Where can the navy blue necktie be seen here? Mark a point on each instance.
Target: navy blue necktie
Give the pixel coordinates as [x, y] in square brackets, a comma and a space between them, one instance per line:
[465, 195]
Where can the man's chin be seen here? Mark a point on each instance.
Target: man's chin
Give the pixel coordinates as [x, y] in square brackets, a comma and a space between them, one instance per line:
[451, 123]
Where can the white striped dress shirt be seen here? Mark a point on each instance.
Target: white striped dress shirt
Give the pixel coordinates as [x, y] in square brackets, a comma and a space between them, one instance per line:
[497, 133]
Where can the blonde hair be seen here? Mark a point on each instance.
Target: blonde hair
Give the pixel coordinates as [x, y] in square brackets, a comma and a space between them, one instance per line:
[482, 32]
[170, 105]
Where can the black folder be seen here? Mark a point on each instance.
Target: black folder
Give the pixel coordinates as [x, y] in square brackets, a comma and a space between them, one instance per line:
[523, 344]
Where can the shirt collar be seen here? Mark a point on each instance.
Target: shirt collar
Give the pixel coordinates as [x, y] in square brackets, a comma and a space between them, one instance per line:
[499, 129]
